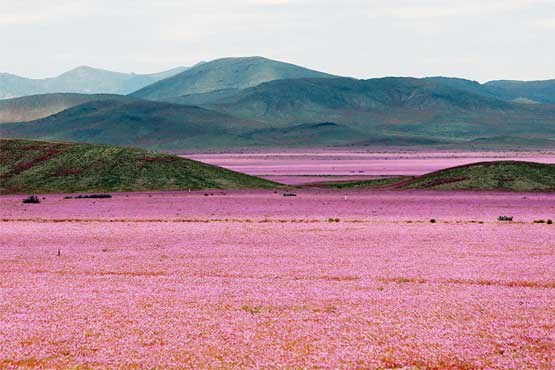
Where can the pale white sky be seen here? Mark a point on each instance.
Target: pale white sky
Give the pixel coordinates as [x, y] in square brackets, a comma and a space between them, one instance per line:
[476, 39]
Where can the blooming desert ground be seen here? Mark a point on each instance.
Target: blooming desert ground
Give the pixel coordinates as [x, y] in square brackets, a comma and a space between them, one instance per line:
[303, 166]
[253, 279]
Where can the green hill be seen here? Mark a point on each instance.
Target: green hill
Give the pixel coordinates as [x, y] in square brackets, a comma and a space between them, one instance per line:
[29, 108]
[497, 175]
[47, 167]
[226, 73]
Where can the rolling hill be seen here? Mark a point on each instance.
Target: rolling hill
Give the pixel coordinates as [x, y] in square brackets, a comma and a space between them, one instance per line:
[47, 167]
[497, 175]
[147, 124]
[29, 108]
[84, 80]
[226, 73]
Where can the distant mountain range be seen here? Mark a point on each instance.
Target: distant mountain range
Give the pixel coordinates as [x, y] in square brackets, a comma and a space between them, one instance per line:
[253, 101]
[85, 80]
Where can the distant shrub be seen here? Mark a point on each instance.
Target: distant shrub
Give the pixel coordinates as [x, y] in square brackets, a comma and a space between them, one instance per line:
[433, 221]
[549, 221]
[289, 194]
[33, 199]
[505, 218]
[539, 221]
[93, 196]
[333, 219]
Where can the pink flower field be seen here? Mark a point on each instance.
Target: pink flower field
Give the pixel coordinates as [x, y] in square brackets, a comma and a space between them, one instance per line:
[252, 279]
[303, 166]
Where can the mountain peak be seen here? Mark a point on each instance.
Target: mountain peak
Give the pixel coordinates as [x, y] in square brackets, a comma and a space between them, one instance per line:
[225, 73]
[82, 71]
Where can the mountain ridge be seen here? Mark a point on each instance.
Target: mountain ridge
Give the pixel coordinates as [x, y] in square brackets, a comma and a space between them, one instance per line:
[386, 111]
[539, 91]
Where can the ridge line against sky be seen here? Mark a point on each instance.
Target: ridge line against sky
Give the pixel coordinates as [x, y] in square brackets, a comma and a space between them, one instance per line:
[479, 40]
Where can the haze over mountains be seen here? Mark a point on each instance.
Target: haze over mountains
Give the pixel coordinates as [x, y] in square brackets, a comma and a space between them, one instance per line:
[29, 108]
[254, 101]
[85, 80]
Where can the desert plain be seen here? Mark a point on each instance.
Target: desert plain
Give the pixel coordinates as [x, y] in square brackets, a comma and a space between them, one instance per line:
[368, 279]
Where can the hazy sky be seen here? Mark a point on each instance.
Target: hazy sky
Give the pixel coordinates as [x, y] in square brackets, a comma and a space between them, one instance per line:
[477, 39]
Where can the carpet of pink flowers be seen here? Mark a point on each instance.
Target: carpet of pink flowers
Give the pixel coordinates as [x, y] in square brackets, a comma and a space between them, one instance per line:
[303, 166]
[252, 279]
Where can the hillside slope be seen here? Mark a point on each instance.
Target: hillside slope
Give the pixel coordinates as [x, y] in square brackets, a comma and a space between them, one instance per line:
[84, 80]
[29, 108]
[499, 175]
[46, 167]
[226, 73]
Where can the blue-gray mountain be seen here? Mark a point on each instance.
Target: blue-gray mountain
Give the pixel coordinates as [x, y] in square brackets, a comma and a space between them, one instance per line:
[85, 80]
[29, 108]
